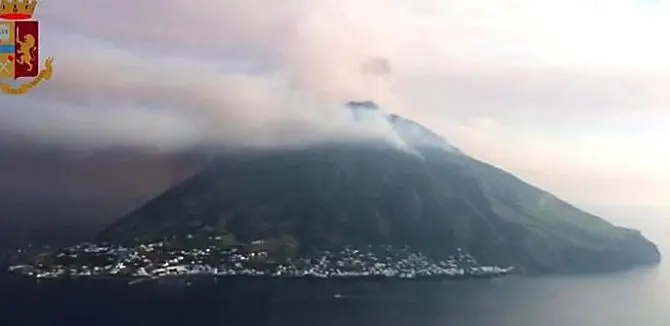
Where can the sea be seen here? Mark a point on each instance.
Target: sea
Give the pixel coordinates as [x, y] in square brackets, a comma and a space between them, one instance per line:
[638, 297]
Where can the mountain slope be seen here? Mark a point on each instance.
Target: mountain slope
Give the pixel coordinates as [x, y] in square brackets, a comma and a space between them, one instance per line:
[430, 197]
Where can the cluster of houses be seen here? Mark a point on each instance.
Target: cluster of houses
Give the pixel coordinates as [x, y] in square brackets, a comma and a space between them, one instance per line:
[158, 259]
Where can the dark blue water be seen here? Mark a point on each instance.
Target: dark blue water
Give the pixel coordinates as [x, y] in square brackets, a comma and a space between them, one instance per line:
[633, 298]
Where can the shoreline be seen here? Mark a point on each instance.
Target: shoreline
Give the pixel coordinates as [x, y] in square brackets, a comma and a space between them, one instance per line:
[134, 280]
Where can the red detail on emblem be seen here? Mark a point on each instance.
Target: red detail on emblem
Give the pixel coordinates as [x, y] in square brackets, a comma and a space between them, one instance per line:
[10, 58]
[26, 53]
[13, 16]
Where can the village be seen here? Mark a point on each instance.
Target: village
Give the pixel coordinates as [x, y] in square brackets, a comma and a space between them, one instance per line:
[159, 259]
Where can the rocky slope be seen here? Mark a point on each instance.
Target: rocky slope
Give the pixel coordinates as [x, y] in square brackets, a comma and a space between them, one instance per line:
[425, 194]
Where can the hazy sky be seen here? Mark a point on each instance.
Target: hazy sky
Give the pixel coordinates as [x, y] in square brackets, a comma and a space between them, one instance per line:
[570, 95]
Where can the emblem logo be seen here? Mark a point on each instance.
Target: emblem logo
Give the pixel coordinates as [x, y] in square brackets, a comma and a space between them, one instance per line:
[19, 47]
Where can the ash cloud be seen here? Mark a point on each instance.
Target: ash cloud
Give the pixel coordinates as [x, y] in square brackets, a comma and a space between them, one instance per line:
[184, 74]
[274, 78]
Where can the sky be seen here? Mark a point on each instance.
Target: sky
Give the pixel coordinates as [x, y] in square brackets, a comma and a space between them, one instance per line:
[569, 95]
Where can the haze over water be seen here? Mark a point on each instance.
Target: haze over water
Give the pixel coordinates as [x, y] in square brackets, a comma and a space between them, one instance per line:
[630, 298]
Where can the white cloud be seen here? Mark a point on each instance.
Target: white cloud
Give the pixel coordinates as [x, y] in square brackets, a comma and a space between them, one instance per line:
[559, 92]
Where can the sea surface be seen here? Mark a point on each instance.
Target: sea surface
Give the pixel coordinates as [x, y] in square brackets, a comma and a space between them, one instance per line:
[640, 297]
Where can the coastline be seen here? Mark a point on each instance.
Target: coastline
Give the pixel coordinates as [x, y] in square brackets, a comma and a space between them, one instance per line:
[188, 280]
